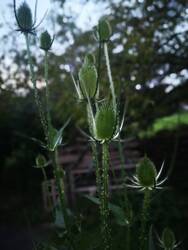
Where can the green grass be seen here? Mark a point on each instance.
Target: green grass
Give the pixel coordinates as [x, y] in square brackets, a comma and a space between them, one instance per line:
[166, 123]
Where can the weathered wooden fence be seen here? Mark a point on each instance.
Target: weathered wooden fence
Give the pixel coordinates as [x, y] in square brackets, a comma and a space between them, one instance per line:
[78, 164]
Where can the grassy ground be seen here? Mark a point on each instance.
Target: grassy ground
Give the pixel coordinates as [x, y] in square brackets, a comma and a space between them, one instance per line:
[166, 123]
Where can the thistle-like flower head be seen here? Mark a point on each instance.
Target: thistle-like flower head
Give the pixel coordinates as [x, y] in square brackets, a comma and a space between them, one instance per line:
[146, 176]
[105, 122]
[168, 240]
[88, 80]
[26, 22]
[40, 161]
[46, 41]
[103, 31]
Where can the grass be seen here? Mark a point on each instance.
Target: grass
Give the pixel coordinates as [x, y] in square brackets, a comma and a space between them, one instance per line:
[166, 123]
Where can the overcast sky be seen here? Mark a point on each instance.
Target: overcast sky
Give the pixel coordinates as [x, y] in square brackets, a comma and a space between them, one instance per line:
[87, 14]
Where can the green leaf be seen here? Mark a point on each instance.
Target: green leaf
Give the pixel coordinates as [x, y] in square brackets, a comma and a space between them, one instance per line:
[117, 211]
[55, 136]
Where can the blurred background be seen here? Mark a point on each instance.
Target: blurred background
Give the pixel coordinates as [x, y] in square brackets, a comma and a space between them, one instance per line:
[149, 59]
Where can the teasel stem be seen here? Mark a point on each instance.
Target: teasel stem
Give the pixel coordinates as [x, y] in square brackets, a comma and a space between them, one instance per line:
[36, 94]
[47, 88]
[59, 177]
[95, 154]
[99, 67]
[144, 219]
[125, 200]
[110, 75]
[104, 208]
[123, 172]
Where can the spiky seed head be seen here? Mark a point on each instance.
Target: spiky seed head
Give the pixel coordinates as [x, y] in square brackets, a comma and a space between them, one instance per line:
[40, 161]
[168, 239]
[24, 17]
[88, 80]
[104, 30]
[45, 41]
[105, 120]
[146, 173]
[89, 59]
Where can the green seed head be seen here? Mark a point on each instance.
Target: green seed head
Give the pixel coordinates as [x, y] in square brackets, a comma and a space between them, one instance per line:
[89, 59]
[105, 121]
[168, 239]
[104, 30]
[40, 161]
[88, 80]
[146, 173]
[24, 17]
[45, 41]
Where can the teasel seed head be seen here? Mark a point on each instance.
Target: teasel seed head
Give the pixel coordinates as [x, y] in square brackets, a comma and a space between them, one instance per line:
[88, 80]
[104, 31]
[40, 161]
[105, 122]
[24, 17]
[46, 41]
[89, 59]
[146, 173]
[168, 239]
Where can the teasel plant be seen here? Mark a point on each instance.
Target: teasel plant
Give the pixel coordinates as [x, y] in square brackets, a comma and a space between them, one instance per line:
[26, 23]
[103, 120]
[168, 240]
[146, 180]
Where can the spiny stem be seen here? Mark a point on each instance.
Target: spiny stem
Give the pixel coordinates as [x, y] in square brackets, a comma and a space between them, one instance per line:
[105, 227]
[95, 153]
[47, 88]
[110, 75]
[36, 94]
[144, 220]
[99, 67]
[59, 176]
[123, 173]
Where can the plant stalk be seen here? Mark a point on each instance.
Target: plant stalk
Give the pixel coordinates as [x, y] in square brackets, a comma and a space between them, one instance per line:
[59, 177]
[144, 220]
[110, 75]
[36, 94]
[104, 208]
[47, 89]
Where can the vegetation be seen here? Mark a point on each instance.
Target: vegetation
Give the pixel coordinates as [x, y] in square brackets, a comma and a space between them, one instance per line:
[122, 74]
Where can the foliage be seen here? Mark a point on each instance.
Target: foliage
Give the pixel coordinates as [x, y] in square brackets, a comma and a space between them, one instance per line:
[145, 48]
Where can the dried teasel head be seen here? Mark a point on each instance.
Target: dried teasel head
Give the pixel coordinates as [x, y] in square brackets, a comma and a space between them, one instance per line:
[105, 122]
[46, 41]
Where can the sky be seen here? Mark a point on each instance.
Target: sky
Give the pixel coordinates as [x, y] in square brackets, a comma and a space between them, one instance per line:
[87, 15]
[84, 12]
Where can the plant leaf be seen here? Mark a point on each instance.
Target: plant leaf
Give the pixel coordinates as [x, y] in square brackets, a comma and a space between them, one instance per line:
[55, 136]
